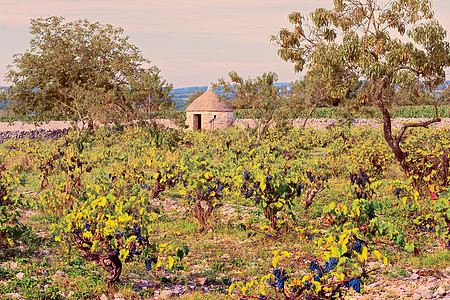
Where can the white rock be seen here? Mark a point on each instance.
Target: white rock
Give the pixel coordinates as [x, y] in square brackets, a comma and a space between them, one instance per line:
[20, 275]
[103, 297]
[60, 273]
[165, 294]
[13, 265]
[415, 276]
[13, 295]
[440, 291]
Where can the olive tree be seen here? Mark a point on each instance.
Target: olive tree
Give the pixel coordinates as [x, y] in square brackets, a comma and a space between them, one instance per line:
[384, 47]
[260, 95]
[86, 72]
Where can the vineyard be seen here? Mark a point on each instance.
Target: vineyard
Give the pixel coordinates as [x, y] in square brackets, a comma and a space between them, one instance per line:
[145, 213]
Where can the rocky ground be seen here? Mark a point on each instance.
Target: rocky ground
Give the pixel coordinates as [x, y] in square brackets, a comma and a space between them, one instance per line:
[392, 282]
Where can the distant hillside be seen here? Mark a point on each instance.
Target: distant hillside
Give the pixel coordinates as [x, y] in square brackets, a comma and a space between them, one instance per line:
[181, 95]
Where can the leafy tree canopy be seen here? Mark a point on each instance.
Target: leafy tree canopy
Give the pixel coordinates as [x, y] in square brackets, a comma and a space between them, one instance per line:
[194, 96]
[399, 43]
[260, 95]
[84, 72]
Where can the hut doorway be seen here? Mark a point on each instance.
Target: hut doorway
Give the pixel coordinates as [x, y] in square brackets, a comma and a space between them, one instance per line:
[197, 121]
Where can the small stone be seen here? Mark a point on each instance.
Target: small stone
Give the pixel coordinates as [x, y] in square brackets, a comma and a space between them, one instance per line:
[118, 296]
[60, 273]
[415, 276]
[425, 293]
[20, 275]
[165, 294]
[103, 297]
[13, 265]
[70, 294]
[13, 295]
[439, 292]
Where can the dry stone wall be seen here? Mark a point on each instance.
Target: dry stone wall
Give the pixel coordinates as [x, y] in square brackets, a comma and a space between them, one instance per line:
[323, 124]
[57, 129]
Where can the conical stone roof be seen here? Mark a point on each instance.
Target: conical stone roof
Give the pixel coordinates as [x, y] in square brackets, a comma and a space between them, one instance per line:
[209, 101]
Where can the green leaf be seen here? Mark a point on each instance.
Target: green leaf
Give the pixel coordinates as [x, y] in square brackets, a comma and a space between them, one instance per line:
[180, 253]
[186, 250]
[409, 247]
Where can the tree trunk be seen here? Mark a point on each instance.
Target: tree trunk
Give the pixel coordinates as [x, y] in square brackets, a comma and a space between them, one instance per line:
[111, 263]
[387, 131]
[377, 94]
[309, 115]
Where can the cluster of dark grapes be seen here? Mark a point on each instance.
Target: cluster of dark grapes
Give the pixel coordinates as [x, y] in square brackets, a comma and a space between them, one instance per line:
[281, 277]
[149, 262]
[325, 269]
[214, 185]
[318, 181]
[356, 246]
[423, 225]
[328, 266]
[217, 187]
[135, 249]
[145, 186]
[355, 283]
[249, 191]
[397, 192]
[362, 182]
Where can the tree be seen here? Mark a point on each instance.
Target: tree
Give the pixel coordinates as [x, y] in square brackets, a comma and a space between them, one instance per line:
[384, 46]
[84, 72]
[259, 95]
[194, 96]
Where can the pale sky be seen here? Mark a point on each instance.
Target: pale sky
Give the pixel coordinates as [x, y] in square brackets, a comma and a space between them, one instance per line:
[192, 42]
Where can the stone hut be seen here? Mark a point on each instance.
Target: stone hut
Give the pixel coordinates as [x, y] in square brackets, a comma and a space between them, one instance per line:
[207, 112]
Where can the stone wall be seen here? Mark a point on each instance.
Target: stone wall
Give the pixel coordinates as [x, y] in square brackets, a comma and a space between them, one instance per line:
[322, 124]
[57, 129]
[46, 134]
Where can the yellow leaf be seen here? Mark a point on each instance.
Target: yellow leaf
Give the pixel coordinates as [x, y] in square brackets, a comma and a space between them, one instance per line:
[262, 289]
[377, 254]
[123, 253]
[285, 254]
[275, 261]
[363, 257]
[102, 201]
[171, 261]
[316, 286]
[231, 288]
[158, 263]
[335, 252]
